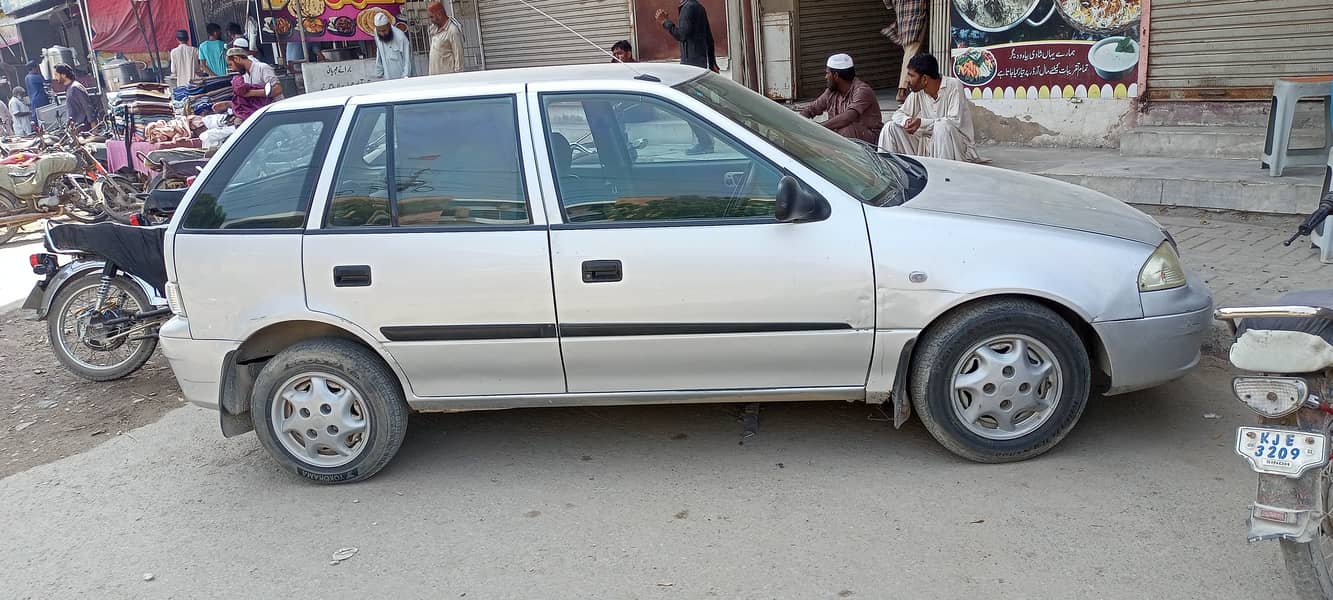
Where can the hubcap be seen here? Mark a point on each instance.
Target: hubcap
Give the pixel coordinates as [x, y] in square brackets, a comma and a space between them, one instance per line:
[1006, 387]
[320, 419]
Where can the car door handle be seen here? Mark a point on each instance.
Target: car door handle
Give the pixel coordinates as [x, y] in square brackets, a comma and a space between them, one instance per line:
[351, 276]
[602, 271]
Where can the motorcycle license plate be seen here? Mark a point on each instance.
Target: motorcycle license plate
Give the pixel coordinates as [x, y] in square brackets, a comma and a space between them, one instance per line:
[1278, 451]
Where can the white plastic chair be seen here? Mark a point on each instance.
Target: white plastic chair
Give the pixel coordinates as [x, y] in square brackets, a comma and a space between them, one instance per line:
[1286, 93]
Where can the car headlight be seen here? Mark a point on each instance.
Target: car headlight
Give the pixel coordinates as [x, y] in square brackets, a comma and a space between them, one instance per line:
[1162, 271]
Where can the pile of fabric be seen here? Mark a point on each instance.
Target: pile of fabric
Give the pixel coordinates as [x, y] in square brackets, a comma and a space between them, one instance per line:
[203, 97]
[139, 105]
[177, 130]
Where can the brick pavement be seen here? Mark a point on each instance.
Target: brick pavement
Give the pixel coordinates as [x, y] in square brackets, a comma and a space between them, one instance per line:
[1241, 257]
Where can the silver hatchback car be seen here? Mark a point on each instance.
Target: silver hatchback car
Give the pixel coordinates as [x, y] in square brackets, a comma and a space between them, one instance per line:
[615, 234]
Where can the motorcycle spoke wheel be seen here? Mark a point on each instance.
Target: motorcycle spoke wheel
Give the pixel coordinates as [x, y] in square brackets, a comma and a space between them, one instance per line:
[80, 202]
[89, 349]
[119, 197]
[1310, 565]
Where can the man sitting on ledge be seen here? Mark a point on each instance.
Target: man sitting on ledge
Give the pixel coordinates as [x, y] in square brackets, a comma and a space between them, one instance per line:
[936, 119]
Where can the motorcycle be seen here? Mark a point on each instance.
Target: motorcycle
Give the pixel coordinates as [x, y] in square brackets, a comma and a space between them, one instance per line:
[105, 306]
[50, 186]
[1288, 350]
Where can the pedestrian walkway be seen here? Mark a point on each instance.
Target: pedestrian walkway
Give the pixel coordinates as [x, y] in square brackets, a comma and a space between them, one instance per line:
[1241, 257]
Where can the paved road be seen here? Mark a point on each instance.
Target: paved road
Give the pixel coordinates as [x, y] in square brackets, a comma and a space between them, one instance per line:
[1144, 500]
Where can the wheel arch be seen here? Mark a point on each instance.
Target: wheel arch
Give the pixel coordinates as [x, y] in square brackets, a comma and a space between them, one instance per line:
[1092, 343]
[241, 366]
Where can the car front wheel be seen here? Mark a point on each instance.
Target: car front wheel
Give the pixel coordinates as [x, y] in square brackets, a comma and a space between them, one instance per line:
[329, 410]
[1000, 381]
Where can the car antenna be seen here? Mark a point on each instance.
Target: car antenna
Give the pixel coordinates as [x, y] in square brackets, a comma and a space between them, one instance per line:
[638, 75]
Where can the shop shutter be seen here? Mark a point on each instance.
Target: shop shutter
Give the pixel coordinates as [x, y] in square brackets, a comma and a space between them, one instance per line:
[514, 35]
[828, 27]
[1235, 49]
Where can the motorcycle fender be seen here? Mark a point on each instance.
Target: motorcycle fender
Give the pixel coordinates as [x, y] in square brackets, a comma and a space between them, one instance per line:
[77, 268]
[1286, 508]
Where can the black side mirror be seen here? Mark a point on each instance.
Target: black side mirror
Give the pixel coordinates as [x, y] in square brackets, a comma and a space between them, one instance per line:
[798, 204]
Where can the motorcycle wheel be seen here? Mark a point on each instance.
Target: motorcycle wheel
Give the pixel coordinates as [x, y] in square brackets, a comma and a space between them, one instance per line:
[8, 203]
[1308, 564]
[80, 343]
[79, 209]
[119, 197]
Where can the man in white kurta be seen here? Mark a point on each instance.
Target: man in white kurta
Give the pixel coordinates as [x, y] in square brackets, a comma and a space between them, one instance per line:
[936, 119]
[446, 41]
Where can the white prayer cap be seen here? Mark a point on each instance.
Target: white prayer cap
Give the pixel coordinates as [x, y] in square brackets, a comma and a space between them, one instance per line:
[840, 62]
[381, 19]
[241, 42]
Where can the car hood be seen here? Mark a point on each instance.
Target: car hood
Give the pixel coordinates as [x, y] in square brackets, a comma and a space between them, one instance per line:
[968, 189]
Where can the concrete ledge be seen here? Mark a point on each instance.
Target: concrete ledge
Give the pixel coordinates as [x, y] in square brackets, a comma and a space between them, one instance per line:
[1207, 141]
[1222, 184]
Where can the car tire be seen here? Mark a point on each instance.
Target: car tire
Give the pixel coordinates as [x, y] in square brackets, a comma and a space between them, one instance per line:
[1002, 362]
[329, 410]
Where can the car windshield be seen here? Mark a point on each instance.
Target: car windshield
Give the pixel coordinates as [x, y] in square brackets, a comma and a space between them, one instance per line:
[844, 162]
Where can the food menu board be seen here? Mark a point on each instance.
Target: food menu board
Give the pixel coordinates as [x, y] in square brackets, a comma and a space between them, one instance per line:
[324, 20]
[1046, 48]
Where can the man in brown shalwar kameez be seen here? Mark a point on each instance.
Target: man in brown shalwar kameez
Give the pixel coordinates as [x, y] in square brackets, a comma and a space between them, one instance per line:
[853, 110]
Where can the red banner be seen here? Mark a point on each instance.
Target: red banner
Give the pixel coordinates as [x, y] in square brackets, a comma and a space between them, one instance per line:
[117, 27]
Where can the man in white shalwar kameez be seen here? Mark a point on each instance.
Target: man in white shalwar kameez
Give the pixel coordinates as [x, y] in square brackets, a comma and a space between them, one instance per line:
[936, 119]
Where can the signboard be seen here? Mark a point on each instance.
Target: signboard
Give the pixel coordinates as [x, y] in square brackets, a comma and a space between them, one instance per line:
[1035, 49]
[330, 75]
[324, 20]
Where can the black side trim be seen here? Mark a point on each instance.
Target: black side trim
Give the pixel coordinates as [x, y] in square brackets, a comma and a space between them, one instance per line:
[663, 224]
[440, 333]
[440, 229]
[636, 329]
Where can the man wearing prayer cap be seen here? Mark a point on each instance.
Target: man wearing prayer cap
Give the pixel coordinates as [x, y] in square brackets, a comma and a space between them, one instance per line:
[446, 41]
[853, 110]
[393, 53]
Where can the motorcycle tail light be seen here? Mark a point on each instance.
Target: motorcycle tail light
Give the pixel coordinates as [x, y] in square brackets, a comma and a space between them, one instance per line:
[1271, 397]
[42, 264]
[136, 221]
[34, 260]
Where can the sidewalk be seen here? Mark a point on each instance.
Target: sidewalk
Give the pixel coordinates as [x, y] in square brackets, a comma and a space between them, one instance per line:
[1241, 257]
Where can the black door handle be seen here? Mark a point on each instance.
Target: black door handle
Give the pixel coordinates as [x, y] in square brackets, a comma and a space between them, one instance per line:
[602, 271]
[351, 276]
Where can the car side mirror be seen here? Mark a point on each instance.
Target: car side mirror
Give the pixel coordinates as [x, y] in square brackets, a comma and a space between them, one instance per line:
[798, 204]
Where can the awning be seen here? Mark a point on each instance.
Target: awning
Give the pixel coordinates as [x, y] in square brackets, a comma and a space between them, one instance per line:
[12, 21]
[123, 25]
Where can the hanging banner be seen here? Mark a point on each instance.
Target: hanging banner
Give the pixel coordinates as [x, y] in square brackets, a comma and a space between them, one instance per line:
[325, 20]
[1033, 49]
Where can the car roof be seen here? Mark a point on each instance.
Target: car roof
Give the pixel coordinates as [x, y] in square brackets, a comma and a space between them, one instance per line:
[667, 73]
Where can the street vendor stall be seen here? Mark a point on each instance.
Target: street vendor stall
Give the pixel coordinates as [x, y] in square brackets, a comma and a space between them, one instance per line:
[342, 30]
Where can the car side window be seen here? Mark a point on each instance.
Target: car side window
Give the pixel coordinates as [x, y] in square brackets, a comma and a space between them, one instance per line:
[642, 159]
[361, 187]
[454, 163]
[266, 180]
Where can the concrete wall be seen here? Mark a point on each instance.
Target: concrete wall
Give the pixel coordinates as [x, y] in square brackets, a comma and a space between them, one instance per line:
[1069, 122]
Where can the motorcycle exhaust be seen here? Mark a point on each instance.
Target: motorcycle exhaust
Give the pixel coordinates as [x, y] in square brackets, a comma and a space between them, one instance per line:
[23, 218]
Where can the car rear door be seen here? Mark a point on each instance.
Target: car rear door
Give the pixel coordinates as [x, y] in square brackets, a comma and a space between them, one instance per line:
[429, 240]
[671, 271]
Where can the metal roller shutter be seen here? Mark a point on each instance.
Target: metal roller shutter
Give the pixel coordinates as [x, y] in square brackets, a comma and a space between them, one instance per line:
[514, 35]
[827, 27]
[1235, 49]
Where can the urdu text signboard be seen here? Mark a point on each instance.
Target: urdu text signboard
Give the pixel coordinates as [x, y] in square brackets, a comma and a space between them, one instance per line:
[1035, 49]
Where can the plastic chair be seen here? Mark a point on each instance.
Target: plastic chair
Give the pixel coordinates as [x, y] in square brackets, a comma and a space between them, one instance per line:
[1286, 93]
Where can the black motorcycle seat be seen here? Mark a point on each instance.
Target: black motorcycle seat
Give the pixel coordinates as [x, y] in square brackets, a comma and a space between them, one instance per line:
[135, 250]
[163, 202]
[1287, 344]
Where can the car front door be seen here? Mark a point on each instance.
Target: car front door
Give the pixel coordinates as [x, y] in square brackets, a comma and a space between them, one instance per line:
[428, 241]
[672, 273]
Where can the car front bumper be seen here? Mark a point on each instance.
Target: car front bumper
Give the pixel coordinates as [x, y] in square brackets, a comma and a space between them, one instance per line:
[1153, 350]
[196, 363]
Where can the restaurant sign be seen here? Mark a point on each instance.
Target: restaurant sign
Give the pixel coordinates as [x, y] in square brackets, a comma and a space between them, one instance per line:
[1035, 49]
[325, 20]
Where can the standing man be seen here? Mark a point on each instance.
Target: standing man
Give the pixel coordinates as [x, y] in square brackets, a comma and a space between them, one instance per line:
[393, 52]
[214, 51]
[936, 119]
[853, 110]
[22, 111]
[446, 41]
[255, 72]
[76, 98]
[184, 59]
[907, 30]
[623, 52]
[36, 85]
[694, 34]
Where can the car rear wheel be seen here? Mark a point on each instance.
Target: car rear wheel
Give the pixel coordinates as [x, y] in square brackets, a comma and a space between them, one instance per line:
[1000, 381]
[329, 410]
